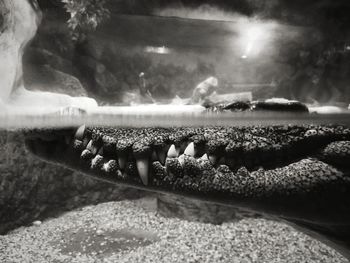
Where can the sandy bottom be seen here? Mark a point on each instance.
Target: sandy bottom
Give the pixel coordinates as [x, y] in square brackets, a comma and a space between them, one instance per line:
[131, 231]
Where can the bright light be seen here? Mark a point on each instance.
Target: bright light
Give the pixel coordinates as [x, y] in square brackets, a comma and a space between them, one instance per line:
[253, 38]
[157, 50]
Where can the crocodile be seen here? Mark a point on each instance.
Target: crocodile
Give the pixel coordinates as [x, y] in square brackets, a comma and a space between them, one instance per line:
[295, 173]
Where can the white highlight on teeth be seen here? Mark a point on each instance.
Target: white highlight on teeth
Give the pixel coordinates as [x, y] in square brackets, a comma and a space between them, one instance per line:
[182, 159]
[205, 157]
[182, 147]
[143, 167]
[89, 146]
[172, 152]
[106, 167]
[92, 148]
[190, 151]
[85, 142]
[95, 161]
[79, 135]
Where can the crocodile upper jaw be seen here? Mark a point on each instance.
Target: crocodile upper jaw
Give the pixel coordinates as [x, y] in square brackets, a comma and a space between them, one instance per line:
[288, 171]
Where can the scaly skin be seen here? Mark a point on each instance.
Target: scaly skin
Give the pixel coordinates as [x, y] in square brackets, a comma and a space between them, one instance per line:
[299, 174]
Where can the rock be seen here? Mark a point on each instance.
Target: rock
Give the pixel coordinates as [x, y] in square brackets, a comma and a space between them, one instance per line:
[99, 232]
[46, 78]
[279, 104]
[40, 56]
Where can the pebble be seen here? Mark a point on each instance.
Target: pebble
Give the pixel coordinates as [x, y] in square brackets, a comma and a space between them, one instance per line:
[269, 241]
[37, 223]
[99, 232]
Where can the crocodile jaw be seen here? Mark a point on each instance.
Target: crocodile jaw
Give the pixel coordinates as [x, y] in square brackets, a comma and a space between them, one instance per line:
[287, 171]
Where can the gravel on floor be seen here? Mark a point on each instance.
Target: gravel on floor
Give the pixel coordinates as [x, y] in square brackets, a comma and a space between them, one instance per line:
[131, 231]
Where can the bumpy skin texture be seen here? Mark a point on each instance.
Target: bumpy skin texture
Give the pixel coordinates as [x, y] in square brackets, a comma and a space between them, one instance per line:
[300, 174]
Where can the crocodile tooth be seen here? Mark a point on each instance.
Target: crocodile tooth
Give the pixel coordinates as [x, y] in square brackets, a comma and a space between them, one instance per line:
[182, 147]
[162, 153]
[85, 142]
[92, 148]
[213, 159]
[97, 162]
[110, 167]
[86, 155]
[142, 165]
[122, 161]
[89, 146]
[181, 159]
[190, 151]
[205, 157]
[79, 134]
[172, 152]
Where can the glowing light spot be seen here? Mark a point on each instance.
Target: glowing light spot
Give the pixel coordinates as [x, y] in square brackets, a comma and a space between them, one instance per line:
[254, 37]
[157, 50]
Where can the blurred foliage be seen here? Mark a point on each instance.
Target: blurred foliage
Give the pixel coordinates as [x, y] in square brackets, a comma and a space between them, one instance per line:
[85, 15]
